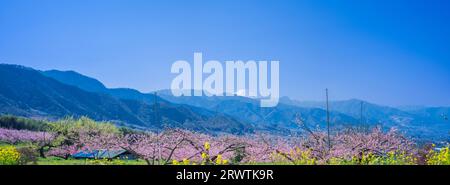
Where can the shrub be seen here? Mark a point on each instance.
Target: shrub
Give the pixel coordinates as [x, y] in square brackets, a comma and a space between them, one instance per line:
[28, 155]
[238, 155]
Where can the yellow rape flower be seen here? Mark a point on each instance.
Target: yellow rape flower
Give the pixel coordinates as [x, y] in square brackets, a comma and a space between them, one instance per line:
[175, 162]
[219, 159]
[186, 162]
[225, 161]
[207, 146]
[204, 155]
[9, 155]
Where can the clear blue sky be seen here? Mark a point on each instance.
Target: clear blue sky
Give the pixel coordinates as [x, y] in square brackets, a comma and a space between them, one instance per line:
[388, 52]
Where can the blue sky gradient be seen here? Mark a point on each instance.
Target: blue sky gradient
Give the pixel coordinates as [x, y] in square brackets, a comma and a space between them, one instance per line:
[387, 52]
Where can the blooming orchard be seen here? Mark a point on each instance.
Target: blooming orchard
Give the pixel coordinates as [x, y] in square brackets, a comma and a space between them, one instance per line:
[19, 136]
[176, 146]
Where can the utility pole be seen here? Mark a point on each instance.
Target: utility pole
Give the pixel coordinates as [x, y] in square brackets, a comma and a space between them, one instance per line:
[155, 112]
[328, 121]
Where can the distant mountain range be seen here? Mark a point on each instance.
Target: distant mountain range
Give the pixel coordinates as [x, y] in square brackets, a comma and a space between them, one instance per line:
[278, 119]
[31, 93]
[55, 94]
[418, 121]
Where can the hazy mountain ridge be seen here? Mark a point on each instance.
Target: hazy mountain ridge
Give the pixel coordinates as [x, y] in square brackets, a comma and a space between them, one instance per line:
[93, 85]
[355, 107]
[242, 109]
[27, 92]
[420, 121]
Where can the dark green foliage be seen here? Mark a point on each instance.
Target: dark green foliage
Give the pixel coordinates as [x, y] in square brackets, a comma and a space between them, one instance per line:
[239, 155]
[19, 123]
[126, 131]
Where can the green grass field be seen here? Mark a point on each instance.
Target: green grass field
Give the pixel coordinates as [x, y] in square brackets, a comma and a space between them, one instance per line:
[60, 161]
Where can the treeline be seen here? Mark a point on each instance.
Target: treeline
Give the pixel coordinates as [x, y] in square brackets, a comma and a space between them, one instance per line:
[20, 123]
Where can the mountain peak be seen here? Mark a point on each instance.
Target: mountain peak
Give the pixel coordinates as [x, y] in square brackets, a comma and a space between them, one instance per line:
[15, 66]
[76, 79]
